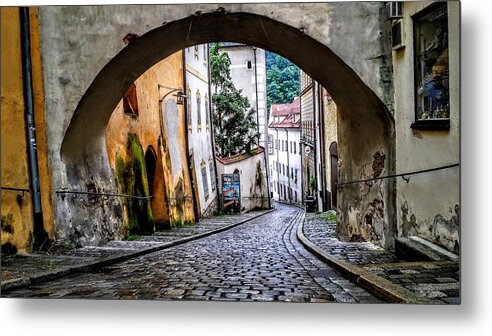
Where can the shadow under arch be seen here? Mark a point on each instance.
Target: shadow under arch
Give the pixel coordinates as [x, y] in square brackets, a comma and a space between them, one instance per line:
[365, 125]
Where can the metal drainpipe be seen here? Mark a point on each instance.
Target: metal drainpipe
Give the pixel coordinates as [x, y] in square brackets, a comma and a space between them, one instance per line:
[256, 90]
[288, 165]
[278, 166]
[40, 234]
[187, 141]
[259, 136]
[212, 127]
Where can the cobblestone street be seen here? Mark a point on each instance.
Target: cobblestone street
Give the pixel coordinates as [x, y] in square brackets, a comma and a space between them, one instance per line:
[437, 281]
[260, 260]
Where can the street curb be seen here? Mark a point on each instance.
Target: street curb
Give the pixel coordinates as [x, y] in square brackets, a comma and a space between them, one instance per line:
[12, 284]
[376, 285]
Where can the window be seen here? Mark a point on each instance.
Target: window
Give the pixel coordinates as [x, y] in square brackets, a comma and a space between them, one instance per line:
[282, 145]
[205, 54]
[270, 144]
[207, 113]
[204, 179]
[290, 146]
[188, 108]
[431, 68]
[291, 173]
[249, 65]
[212, 173]
[130, 101]
[295, 147]
[198, 110]
[196, 52]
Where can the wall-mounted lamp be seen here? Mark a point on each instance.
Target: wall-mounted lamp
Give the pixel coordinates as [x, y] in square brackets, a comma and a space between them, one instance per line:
[180, 95]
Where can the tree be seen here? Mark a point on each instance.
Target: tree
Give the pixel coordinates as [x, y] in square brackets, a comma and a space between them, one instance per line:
[233, 121]
[282, 80]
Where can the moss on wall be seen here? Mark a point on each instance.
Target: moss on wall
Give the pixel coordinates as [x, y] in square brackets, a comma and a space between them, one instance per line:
[131, 176]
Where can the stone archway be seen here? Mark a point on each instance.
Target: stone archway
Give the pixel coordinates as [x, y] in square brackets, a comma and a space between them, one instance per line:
[365, 125]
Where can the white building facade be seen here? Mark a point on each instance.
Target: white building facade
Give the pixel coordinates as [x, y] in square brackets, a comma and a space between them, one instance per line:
[199, 119]
[248, 73]
[284, 152]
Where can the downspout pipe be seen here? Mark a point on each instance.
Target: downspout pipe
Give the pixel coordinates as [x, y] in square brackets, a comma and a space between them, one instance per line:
[212, 138]
[256, 91]
[288, 167]
[187, 141]
[40, 235]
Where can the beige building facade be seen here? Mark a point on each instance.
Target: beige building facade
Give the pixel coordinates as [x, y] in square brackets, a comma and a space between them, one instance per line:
[426, 67]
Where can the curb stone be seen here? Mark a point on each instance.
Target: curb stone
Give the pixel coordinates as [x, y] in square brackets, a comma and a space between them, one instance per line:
[90, 266]
[376, 285]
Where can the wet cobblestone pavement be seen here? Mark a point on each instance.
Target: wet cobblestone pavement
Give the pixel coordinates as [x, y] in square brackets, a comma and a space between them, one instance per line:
[25, 265]
[322, 232]
[438, 281]
[261, 260]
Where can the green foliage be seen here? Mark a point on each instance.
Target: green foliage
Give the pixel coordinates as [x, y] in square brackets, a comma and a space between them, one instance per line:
[131, 177]
[233, 120]
[132, 237]
[312, 183]
[330, 216]
[282, 80]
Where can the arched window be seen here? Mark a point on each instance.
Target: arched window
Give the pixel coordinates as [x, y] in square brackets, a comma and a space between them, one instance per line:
[198, 110]
[188, 107]
[130, 101]
[212, 173]
[207, 113]
[203, 169]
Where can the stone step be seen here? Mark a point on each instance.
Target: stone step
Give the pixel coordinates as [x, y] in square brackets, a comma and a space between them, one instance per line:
[418, 249]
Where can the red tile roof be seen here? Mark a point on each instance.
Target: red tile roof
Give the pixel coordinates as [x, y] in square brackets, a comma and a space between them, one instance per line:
[288, 111]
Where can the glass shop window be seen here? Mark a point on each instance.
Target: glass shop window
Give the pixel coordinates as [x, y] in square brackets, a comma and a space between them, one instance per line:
[432, 68]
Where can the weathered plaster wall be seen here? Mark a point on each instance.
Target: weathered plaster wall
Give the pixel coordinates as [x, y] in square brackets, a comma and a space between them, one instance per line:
[427, 205]
[314, 40]
[171, 181]
[17, 219]
[252, 178]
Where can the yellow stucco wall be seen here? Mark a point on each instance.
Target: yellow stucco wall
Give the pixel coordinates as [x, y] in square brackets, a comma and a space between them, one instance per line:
[17, 219]
[169, 73]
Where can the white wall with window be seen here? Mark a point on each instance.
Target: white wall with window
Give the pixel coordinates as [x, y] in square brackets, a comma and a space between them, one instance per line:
[285, 156]
[199, 127]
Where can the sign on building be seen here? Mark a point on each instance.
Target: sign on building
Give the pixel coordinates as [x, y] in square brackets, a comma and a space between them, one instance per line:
[231, 193]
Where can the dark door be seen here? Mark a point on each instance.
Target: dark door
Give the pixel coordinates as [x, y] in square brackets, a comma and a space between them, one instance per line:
[334, 173]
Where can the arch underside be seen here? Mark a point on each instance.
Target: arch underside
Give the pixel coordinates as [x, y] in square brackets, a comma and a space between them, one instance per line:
[364, 125]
